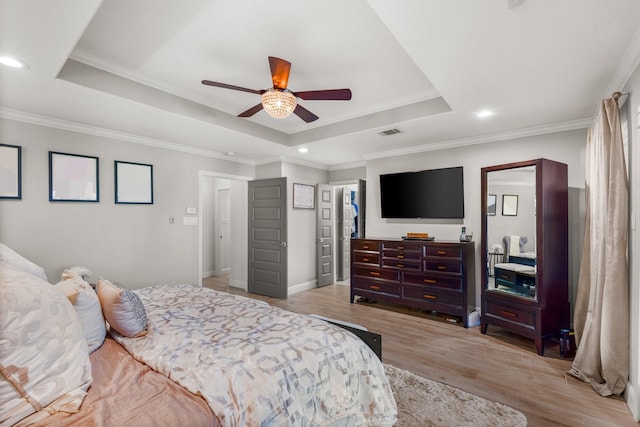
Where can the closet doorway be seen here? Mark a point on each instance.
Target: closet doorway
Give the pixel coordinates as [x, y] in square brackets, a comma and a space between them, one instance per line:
[222, 231]
[350, 200]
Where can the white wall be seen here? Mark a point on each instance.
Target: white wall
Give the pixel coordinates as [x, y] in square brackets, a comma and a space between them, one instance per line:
[132, 244]
[566, 147]
[239, 208]
[632, 394]
[301, 229]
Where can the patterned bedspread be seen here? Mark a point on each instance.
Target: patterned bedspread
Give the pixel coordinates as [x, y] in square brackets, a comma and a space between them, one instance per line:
[259, 365]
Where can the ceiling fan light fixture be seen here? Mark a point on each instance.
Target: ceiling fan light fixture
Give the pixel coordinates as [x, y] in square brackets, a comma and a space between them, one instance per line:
[279, 103]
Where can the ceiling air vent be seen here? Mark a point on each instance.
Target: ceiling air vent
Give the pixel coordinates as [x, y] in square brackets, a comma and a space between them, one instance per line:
[389, 132]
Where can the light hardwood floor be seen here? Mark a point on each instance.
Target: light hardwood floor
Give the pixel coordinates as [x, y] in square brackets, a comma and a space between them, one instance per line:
[499, 366]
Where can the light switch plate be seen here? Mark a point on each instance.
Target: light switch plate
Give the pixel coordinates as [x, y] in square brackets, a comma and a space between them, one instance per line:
[190, 220]
[191, 210]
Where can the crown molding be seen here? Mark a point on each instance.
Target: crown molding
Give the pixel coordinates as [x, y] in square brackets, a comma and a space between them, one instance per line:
[343, 166]
[626, 67]
[503, 136]
[37, 119]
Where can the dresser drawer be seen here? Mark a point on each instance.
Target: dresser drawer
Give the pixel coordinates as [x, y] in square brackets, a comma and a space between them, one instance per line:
[401, 263]
[376, 286]
[431, 295]
[400, 254]
[454, 283]
[506, 312]
[443, 266]
[444, 251]
[402, 246]
[392, 275]
[508, 276]
[365, 245]
[366, 258]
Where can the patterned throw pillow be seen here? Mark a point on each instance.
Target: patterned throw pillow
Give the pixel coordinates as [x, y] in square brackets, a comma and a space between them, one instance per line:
[44, 360]
[122, 308]
[87, 305]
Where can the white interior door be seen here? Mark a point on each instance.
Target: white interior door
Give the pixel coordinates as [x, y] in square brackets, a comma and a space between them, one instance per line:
[223, 215]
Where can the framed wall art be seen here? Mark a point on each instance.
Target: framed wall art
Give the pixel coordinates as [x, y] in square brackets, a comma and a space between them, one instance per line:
[304, 196]
[509, 205]
[491, 204]
[73, 178]
[133, 183]
[10, 171]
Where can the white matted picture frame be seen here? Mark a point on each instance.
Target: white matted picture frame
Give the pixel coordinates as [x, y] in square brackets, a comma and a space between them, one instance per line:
[73, 178]
[304, 196]
[133, 183]
[509, 205]
[10, 171]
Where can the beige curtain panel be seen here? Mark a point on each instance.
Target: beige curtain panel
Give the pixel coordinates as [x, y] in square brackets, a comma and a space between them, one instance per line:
[601, 315]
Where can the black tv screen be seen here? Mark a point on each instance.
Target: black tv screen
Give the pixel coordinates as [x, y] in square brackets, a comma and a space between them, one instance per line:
[434, 193]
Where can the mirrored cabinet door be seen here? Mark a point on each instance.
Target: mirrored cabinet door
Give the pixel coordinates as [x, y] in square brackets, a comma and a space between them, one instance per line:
[525, 249]
[511, 231]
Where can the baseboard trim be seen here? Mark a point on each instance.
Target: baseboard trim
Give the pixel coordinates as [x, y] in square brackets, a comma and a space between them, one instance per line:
[631, 397]
[238, 284]
[300, 287]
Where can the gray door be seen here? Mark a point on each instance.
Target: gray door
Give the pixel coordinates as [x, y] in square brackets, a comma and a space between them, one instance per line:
[324, 236]
[346, 220]
[267, 256]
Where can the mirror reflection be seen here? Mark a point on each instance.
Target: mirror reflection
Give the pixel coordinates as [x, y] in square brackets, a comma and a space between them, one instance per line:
[511, 231]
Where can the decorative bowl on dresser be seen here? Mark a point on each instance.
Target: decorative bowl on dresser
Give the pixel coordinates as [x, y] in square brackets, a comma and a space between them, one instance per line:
[427, 275]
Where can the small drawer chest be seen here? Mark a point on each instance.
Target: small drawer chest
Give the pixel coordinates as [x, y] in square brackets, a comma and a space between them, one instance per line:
[427, 275]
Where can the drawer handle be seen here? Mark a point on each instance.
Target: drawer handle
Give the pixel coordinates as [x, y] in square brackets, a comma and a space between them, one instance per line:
[401, 247]
[400, 265]
[365, 259]
[427, 296]
[508, 313]
[504, 276]
[365, 246]
[374, 273]
[400, 256]
[442, 253]
[375, 288]
[442, 267]
[429, 281]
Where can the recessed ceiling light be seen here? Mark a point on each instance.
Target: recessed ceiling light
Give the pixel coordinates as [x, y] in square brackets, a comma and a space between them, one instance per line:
[12, 62]
[485, 113]
[230, 153]
[303, 149]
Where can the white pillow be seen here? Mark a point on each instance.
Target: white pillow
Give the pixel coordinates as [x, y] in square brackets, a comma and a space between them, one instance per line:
[13, 258]
[87, 305]
[122, 308]
[42, 350]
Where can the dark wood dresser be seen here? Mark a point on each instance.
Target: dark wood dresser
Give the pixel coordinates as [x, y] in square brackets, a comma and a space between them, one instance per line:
[428, 275]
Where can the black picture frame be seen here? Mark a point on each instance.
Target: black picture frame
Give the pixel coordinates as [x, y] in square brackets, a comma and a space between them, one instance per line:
[304, 196]
[492, 201]
[73, 178]
[133, 183]
[10, 171]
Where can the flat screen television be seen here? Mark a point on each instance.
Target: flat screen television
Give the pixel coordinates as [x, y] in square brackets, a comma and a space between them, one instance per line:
[434, 193]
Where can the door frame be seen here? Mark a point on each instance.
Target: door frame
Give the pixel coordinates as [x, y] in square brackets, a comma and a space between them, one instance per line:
[201, 175]
[361, 220]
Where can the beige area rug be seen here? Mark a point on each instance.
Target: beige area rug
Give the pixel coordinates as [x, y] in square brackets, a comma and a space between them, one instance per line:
[422, 402]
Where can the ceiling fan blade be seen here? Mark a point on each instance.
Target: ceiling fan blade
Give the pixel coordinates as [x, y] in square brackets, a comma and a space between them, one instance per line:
[305, 114]
[232, 87]
[251, 111]
[325, 95]
[279, 72]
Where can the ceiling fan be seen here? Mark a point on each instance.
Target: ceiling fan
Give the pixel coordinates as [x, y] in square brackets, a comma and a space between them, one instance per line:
[278, 101]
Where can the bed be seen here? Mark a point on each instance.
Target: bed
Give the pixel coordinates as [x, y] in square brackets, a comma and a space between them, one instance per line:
[176, 353]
